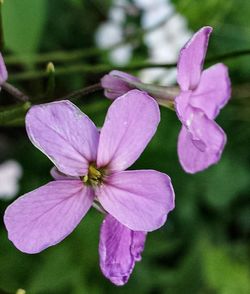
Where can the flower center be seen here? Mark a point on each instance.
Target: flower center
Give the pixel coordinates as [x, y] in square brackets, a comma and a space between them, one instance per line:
[94, 176]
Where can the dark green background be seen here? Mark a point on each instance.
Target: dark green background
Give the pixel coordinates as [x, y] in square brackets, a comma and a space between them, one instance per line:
[204, 246]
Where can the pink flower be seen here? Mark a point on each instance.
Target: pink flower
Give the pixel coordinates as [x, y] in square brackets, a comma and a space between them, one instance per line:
[203, 94]
[3, 71]
[94, 164]
[119, 249]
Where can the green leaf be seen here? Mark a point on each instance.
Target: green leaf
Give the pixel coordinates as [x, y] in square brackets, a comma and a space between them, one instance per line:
[223, 273]
[23, 23]
[225, 181]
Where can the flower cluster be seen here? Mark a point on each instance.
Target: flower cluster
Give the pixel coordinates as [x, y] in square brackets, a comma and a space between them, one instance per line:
[90, 165]
[197, 102]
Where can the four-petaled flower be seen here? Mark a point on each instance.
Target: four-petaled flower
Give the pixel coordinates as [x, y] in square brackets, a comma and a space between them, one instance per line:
[94, 163]
[203, 94]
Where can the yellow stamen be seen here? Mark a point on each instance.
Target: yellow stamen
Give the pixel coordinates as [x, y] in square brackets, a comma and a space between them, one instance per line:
[94, 176]
[94, 173]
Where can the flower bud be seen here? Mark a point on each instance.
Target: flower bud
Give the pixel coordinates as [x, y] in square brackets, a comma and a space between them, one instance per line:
[116, 83]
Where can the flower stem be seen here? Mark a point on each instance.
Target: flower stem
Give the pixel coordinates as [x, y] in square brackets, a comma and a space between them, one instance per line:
[74, 55]
[82, 92]
[15, 92]
[50, 70]
[104, 68]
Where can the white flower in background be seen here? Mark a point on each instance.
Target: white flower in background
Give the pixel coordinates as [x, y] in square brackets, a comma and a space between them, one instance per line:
[166, 34]
[148, 4]
[117, 14]
[156, 14]
[108, 35]
[111, 33]
[10, 174]
[121, 55]
[164, 42]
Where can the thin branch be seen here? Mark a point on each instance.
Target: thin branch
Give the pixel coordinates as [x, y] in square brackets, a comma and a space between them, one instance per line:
[85, 68]
[74, 55]
[15, 92]
[82, 92]
[229, 55]
[103, 68]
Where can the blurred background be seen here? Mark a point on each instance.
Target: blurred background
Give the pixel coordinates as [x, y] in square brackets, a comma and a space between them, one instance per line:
[204, 246]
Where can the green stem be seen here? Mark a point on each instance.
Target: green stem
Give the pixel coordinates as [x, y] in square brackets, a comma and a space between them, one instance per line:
[62, 56]
[51, 83]
[82, 92]
[228, 55]
[104, 68]
[84, 68]
[10, 115]
[57, 56]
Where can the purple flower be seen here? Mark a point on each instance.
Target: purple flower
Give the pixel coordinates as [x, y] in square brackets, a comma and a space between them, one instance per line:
[94, 163]
[203, 94]
[119, 249]
[3, 71]
[116, 83]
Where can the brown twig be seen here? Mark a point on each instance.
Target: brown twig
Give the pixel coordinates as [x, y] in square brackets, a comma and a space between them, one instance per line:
[15, 92]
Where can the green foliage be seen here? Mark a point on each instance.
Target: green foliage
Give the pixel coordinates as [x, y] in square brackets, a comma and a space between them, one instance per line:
[24, 24]
[225, 274]
[237, 181]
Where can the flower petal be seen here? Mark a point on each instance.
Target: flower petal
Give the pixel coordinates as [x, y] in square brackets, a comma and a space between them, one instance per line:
[140, 200]
[65, 134]
[47, 215]
[131, 122]
[3, 71]
[213, 91]
[57, 175]
[116, 83]
[182, 105]
[201, 145]
[119, 249]
[191, 59]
